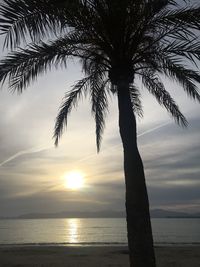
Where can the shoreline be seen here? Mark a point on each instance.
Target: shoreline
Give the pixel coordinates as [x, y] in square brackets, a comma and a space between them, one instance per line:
[93, 256]
[94, 244]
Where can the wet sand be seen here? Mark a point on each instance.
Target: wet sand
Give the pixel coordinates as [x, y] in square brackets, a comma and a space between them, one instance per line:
[57, 256]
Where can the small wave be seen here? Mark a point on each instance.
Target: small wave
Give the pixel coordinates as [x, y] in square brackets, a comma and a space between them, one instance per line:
[94, 244]
[66, 244]
[177, 244]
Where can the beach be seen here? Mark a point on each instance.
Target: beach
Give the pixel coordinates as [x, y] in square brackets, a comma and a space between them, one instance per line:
[105, 256]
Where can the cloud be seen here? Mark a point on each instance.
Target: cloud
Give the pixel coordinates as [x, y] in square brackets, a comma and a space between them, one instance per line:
[170, 158]
[25, 152]
[31, 171]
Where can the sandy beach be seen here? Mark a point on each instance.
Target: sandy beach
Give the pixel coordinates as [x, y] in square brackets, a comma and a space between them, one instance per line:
[46, 256]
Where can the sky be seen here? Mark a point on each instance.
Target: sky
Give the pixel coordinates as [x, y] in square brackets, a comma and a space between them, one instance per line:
[32, 170]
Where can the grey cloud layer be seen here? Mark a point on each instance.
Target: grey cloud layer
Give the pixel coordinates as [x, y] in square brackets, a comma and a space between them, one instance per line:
[32, 182]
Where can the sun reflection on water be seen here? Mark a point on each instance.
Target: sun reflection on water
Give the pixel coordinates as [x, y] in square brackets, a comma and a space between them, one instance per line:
[73, 230]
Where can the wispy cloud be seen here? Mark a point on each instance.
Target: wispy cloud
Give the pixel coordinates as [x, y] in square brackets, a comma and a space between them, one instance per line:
[45, 147]
[140, 135]
[154, 129]
[25, 152]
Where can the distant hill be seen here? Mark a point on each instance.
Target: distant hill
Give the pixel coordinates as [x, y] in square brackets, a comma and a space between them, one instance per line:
[159, 213]
[155, 213]
[79, 214]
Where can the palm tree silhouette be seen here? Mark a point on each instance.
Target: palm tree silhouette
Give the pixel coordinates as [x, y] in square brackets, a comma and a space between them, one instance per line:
[115, 41]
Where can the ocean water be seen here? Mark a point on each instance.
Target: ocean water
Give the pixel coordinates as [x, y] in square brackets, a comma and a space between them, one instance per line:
[104, 231]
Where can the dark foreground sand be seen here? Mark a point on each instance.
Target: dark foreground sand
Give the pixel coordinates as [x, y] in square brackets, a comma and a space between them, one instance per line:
[43, 256]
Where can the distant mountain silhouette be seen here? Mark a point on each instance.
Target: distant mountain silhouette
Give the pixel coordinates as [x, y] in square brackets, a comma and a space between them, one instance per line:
[159, 213]
[76, 214]
[155, 213]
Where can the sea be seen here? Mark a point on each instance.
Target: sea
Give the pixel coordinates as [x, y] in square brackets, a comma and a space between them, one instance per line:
[95, 232]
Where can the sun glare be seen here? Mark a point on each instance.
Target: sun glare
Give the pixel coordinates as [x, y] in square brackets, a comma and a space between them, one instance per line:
[74, 180]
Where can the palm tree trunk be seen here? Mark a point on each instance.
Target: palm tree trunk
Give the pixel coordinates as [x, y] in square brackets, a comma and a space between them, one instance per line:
[140, 240]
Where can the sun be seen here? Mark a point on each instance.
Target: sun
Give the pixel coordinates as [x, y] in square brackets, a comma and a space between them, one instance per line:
[74, 180]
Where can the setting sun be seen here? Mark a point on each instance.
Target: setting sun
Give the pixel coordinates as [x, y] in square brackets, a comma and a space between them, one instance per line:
[74, 180]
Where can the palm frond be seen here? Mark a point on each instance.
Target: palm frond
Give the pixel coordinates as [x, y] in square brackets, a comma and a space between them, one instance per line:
[157, 89]
[185, 76]
[135, 99]
[24, 65]
[70, 101]
[96, 65]
[94, 59]
[21, 20]
[99, 102]
[189, 49]
[185, 17]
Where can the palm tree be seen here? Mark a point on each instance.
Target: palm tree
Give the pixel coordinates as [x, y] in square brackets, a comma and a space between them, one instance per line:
[115, 42]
